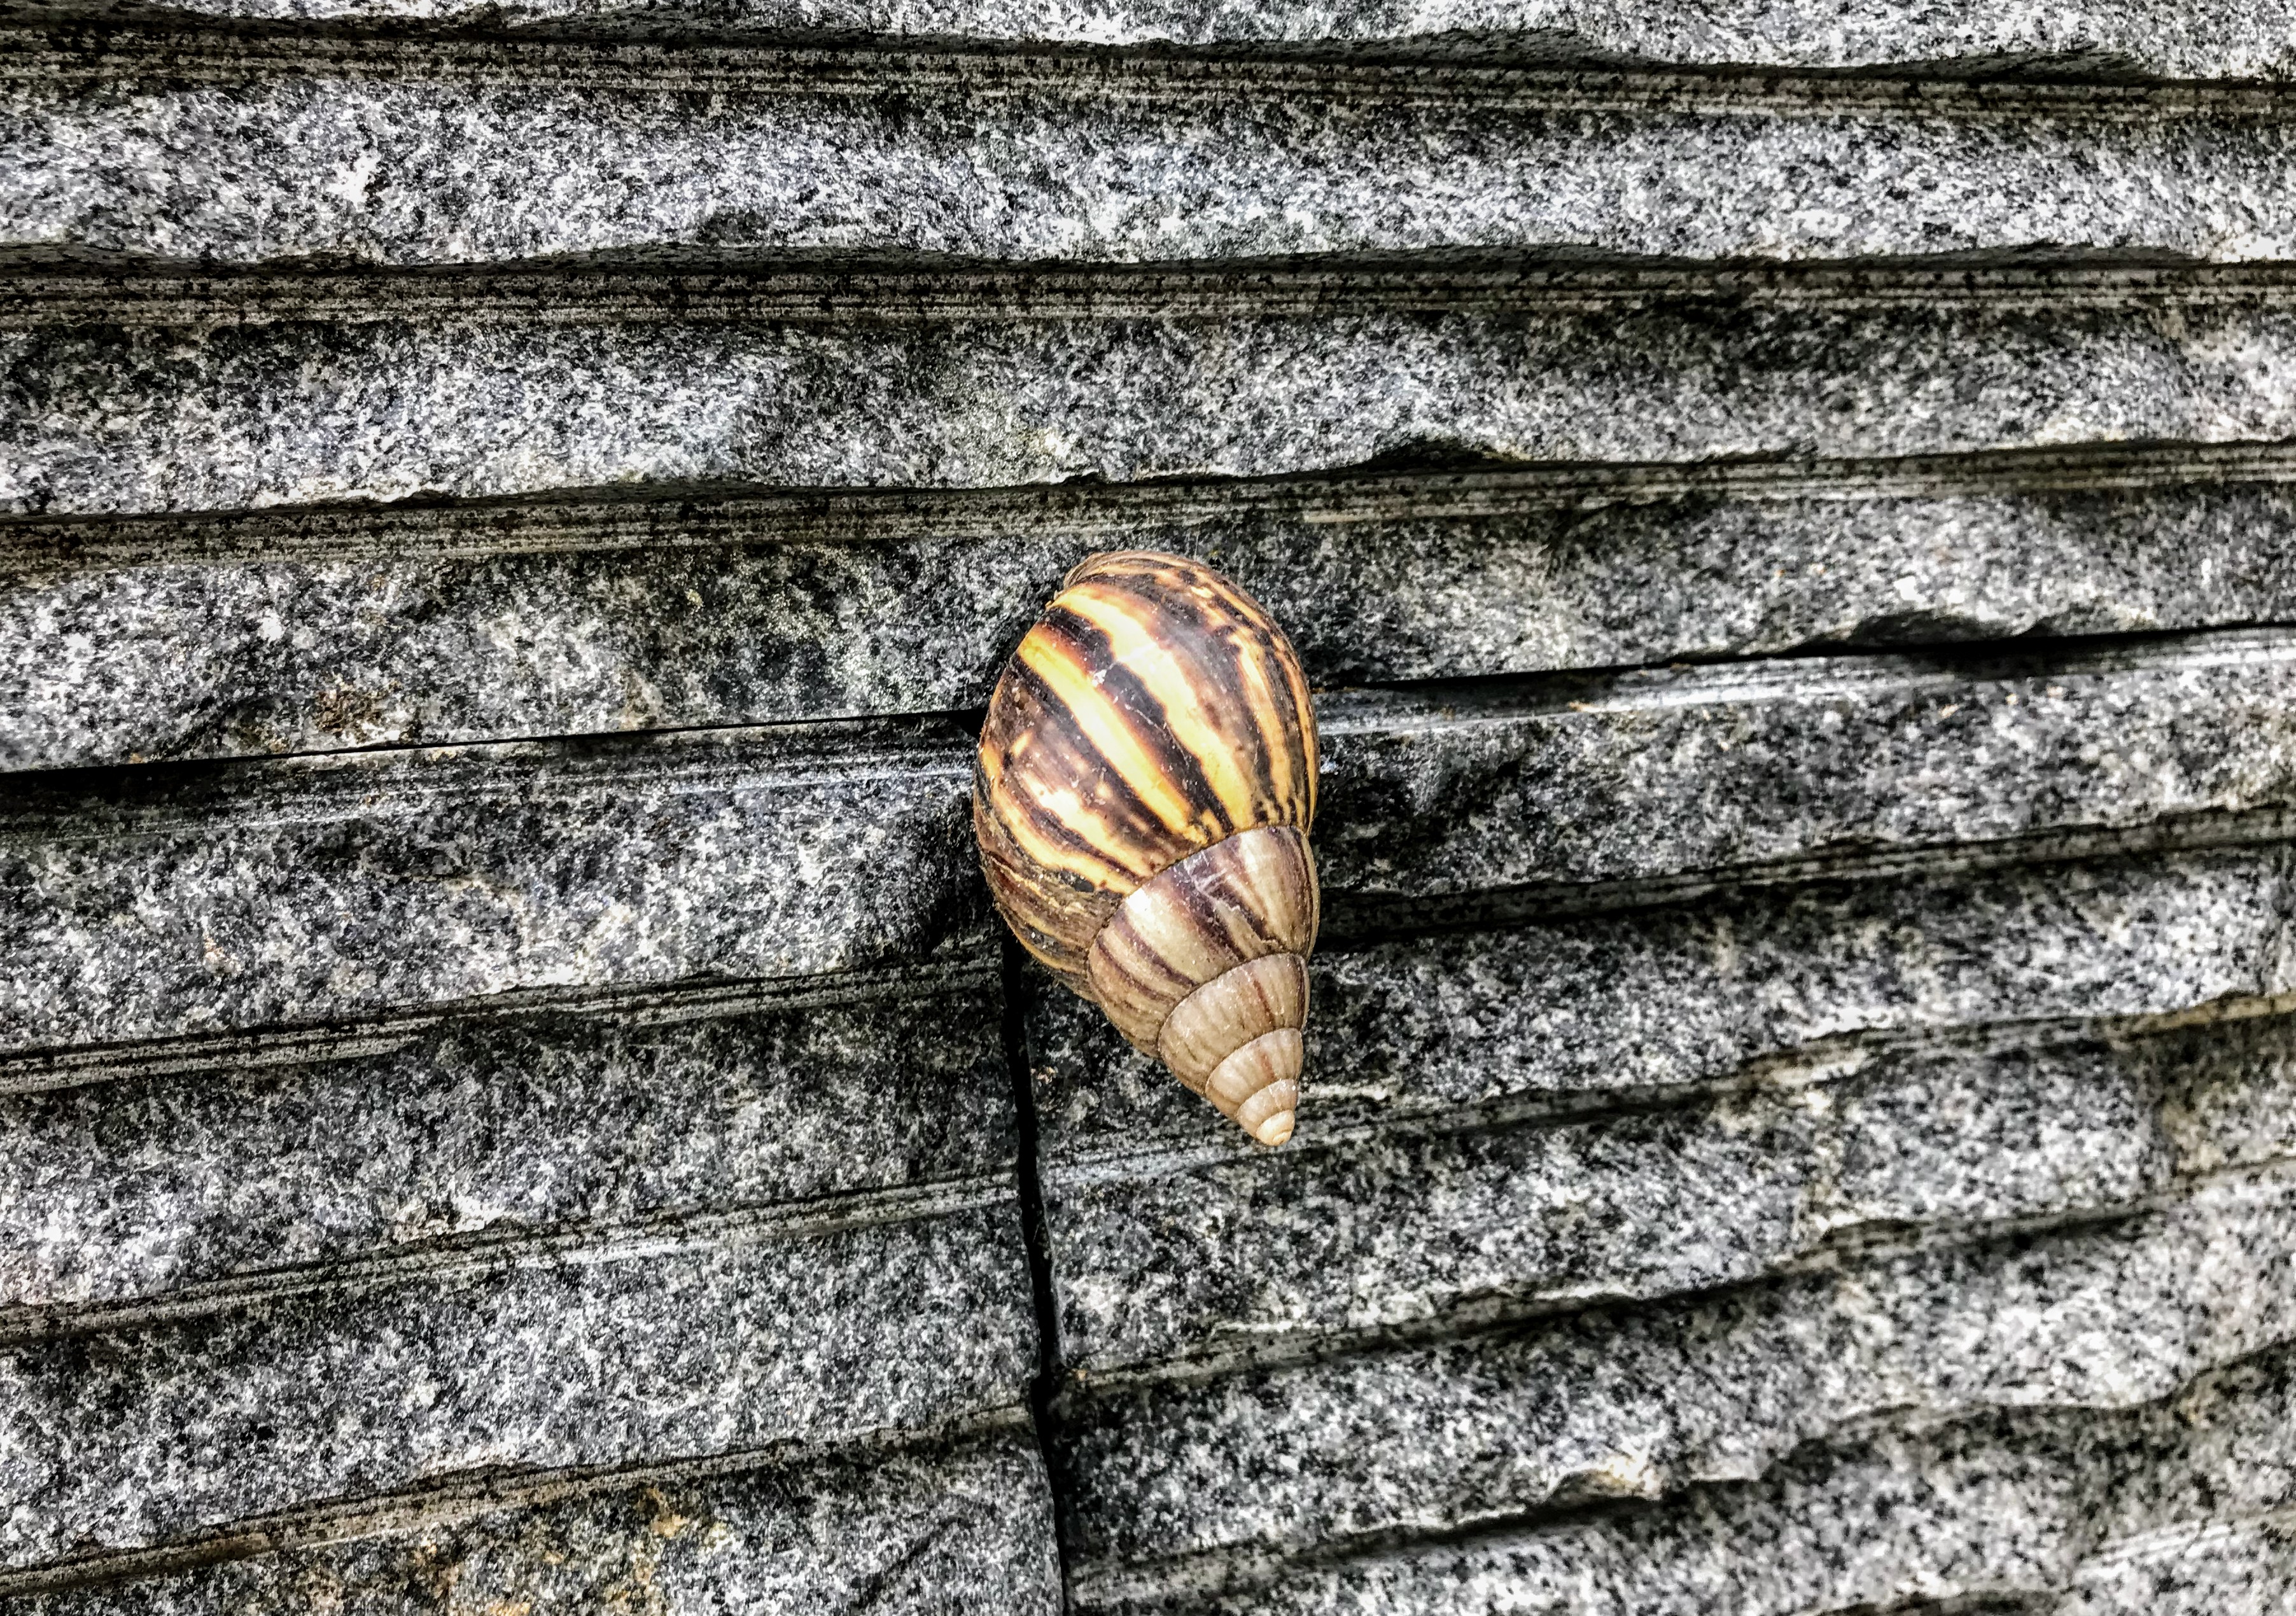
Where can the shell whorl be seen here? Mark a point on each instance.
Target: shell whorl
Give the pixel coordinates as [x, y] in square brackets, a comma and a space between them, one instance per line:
[1143, 789]
[1206, 968]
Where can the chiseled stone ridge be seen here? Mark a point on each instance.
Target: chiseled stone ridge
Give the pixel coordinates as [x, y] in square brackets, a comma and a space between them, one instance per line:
[409, 151]
[1826, 1068]
[2175, 38]
[620, 1257]
[205, 636]
[1318, 371]
[2179, 1505]
[154, 904]
[479, 1129]
[201, 899]
[1643, 1401]
[953, 1529]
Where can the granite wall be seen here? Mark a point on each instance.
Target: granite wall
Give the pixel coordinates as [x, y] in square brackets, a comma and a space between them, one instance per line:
[511, 1099]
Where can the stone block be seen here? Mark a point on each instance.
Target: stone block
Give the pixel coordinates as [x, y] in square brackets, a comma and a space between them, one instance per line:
[309, 631]
[139, 1425]
[223, 146]
[949, 1530]
[148, 904]
[2100, 38]
[479, 1129]
[216, 394]
[2177, 1505]
[1181, 1484]
[204, 900]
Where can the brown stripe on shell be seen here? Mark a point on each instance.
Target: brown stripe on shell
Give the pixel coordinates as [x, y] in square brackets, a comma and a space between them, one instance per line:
[1243, 673]
[1254, 894]
[1055, 919]
[1147, 710]
[1061, 805]
[1061, 797]
[1229, 1012]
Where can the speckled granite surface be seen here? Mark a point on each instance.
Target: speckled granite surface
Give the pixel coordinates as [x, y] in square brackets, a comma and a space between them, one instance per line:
[511, 1099]
[210, 148]
[2173, 38]
[206, 413]
[189, 638]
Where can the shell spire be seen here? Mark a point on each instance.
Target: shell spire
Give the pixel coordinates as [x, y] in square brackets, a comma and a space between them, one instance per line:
[1142, 796]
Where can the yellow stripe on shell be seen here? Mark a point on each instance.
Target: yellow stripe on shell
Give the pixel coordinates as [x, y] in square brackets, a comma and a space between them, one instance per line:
[1136, 647]
[1024, 814]
[1106, 726]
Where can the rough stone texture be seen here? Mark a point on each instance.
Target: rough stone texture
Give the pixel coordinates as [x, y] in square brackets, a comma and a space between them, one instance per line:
[303, 890]
[950, 1531]
[1804, 1128]
[134, 1183]
[2176, 38]
[1434, 1438]
[210, 899]
[2181, 1505]
[728, 1335]
[215, 147]
[1646, 1103]
[1639, 1005]
[303, 632]
[199, 405]
[1654, 774]
[1393, 1229]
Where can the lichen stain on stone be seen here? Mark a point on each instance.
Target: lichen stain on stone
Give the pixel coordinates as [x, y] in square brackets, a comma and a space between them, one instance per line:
[666, 1522]
[350, 715]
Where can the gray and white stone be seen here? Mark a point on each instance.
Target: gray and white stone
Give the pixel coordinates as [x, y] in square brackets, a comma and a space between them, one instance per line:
[2179, 1505]
[354, 885]
[212, 899]
[1167, 1481]
[137, 1426]
[1759, 1076]
[136, 1183]
[2173, 38]
[193, 408]
[1456, 1226]
[220, 146]
[312, 631]
[947, 1530]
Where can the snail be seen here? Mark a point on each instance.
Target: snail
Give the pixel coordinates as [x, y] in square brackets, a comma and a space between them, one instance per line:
[1141, 797]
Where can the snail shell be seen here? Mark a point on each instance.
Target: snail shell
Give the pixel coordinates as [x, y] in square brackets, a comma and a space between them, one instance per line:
[1142, 795]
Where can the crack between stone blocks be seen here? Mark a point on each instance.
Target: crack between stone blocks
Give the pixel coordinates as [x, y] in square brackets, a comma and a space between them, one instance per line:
[1029, 1182]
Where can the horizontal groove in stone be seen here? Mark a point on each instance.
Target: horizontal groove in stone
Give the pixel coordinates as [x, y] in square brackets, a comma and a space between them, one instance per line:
[677, 286]
[967, 1514]
[1787, 1029]
[2179, 1505]
[67, 50]
[1647, 1401]
[519, 1012]
[2169, 38]
[112, 421]
[155, 1432]
[1662, 772]
[411, 152]
[309, 891]
[207, 637]
[713, 516]
[666, 1240]
[183, 899]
